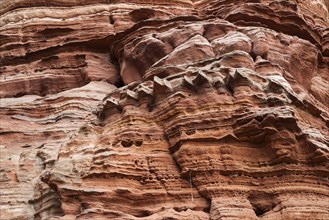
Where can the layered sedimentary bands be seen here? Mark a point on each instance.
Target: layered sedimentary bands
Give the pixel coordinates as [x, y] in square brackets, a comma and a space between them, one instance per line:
[181, 109]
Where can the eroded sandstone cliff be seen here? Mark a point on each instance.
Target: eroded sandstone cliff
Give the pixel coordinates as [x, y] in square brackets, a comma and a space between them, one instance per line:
[164, 109]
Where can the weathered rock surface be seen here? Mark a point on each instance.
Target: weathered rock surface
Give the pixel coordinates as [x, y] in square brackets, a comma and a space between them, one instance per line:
[164, 110]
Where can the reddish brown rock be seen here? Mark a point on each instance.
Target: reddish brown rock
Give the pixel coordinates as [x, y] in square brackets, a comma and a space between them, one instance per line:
[164, 110]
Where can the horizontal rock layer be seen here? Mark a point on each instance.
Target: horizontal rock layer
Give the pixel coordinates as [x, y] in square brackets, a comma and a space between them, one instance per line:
[164, 110]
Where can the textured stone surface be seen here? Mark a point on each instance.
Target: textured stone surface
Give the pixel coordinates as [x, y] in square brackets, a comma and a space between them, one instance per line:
[164, 110]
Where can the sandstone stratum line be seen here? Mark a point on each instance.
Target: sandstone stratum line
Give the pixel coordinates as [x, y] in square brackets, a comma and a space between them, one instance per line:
[164, 110]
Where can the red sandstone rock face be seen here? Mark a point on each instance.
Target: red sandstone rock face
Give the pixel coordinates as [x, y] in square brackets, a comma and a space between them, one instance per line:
[157, 110]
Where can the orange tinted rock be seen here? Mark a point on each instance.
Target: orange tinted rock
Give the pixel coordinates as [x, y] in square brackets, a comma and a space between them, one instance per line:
[164, 110]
